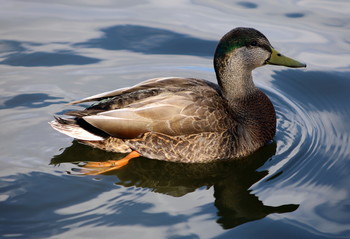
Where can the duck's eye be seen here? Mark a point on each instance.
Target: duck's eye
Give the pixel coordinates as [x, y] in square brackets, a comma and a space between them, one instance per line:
[254, 43]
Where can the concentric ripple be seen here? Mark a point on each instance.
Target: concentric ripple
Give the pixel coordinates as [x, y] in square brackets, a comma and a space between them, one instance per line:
[311, 125]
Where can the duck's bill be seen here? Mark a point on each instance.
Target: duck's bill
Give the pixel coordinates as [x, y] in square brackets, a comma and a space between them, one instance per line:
[281, 60]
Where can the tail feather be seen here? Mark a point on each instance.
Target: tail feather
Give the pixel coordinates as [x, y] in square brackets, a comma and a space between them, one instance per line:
[70, 128]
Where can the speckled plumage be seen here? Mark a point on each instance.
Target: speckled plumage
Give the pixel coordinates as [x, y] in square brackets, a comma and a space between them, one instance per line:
[186, 119]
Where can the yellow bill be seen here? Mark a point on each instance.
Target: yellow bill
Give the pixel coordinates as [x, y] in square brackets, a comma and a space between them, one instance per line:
[281, 60]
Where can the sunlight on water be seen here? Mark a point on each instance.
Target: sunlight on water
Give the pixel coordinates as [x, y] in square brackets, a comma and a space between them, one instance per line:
[53, 53]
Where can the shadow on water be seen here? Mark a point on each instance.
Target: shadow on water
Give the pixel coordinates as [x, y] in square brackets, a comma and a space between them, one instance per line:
[231, 180]
[141, 39]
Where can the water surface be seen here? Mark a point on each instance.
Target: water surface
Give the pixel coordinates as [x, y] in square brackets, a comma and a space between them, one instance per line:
[52, 53]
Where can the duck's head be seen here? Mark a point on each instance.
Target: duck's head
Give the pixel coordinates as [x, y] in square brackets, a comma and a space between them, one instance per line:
[248, 49]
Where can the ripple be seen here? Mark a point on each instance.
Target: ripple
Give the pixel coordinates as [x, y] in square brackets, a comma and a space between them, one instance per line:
[311, 128]
[295, 15]
[247, 4]
[294, 131]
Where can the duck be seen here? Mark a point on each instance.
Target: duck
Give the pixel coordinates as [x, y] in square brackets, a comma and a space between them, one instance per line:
[186, 120]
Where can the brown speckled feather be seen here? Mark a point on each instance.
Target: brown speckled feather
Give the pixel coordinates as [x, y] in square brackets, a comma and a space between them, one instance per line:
[188, 107]
[200, 147]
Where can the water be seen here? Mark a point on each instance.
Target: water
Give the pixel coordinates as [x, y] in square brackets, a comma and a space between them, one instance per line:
[53, 53]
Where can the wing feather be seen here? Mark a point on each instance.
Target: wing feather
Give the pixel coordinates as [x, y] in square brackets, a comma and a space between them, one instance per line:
[172, 106]
[168, 83]
[179, 113]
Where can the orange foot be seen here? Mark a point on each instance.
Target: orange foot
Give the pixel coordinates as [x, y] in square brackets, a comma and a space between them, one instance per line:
[110, 165]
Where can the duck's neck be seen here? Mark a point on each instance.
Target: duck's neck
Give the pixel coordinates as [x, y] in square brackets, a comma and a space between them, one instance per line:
[250, 106]
[234, 78]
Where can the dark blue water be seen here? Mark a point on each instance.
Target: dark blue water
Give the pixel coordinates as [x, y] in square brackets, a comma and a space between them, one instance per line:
[52, 53]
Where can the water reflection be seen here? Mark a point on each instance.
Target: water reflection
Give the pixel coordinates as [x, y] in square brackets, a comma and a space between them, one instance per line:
[149, 40]
[313, 119]
[311, 166]
[47, 59]
[313, 139]
[141, 39]
[231, 180]
[295, 15]
[247, 4]
[33, 100]
[17, 53]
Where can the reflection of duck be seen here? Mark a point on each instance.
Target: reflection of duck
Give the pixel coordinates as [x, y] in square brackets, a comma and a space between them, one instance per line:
[231, 180]
[186, 119]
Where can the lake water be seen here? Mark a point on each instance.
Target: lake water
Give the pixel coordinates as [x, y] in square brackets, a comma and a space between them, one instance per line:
[53, 52]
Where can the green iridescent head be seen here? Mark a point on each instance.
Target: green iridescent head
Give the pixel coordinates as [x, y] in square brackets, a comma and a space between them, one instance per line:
[251, 39]
[241, 37]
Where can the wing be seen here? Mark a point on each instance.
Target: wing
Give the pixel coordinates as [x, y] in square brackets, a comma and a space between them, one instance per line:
[157, 84]
[171, 113]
